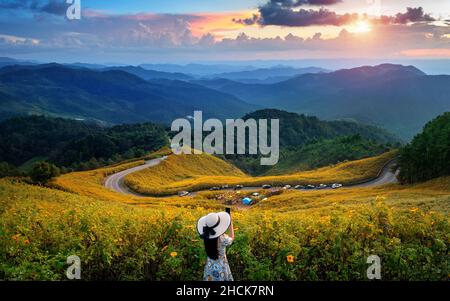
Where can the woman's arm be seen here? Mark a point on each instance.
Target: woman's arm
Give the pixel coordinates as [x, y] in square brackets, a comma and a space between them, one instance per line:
[231, 230]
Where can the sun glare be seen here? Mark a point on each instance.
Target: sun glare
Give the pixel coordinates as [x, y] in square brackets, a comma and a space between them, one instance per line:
[362, 26]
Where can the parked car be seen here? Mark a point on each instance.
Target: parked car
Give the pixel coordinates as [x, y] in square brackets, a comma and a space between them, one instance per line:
[215, 188]
[255, 194]
[225, 186]
[310, 187]
[238, 187]
[322, 186]
[299, 187]
[287, 187]
[183, 193]
[267, 186]
[336, 185]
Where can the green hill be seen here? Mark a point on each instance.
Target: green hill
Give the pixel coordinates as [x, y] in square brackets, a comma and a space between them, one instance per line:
[428, 155]
[75, 144]
[307, 142]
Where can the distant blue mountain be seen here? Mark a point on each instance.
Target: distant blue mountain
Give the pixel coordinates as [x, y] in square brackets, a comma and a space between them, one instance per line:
[151, 74]
[264, 75]
[197, 70]
[112, 96]
[399, 98]
[6, 61]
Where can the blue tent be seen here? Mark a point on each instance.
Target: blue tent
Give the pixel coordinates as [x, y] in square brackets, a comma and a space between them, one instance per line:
[246, 201]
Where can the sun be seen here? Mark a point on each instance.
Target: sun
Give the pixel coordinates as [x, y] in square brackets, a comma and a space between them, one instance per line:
[362, 27]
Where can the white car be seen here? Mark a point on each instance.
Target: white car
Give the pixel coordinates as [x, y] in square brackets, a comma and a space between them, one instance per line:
[238, 187]
[336, 185]
[183, 193]
[287, 187]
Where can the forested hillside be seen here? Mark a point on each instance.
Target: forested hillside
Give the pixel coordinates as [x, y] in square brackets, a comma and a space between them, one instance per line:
[428, 155]
[75, 144]
[307, 142]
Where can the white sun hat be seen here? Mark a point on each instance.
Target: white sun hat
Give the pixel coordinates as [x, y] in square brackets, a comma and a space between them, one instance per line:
[213, 225]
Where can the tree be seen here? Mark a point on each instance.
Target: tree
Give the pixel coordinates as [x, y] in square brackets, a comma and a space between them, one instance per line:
[93, 163]
[8, 170]
[428, 155]
[43, 172]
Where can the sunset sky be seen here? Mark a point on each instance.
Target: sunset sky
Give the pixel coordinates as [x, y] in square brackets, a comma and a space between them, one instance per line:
[135, 31]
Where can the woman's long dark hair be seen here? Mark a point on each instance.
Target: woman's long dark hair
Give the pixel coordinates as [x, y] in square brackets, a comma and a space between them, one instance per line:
[211, 248]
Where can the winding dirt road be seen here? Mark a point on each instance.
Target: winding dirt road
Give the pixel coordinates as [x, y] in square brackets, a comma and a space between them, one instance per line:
[116, 181]
[386, 176]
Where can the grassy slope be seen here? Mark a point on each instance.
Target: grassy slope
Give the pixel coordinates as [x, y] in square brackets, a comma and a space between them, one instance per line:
[433, 195]
[430, 196]
[200, 172]
[198, 169]
[90, 183]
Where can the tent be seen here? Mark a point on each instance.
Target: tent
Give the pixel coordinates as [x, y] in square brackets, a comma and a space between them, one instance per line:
[246, 201]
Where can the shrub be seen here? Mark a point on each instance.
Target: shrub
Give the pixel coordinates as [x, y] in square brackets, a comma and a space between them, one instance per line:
[43, 172]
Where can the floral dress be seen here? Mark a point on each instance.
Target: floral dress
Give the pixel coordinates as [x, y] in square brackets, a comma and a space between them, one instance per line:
[219, 270]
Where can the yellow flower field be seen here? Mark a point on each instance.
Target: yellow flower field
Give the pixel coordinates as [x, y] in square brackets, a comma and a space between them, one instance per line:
[41, 227]
[292, 235]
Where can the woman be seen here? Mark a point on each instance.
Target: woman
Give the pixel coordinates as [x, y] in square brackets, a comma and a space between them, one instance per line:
[212, 228]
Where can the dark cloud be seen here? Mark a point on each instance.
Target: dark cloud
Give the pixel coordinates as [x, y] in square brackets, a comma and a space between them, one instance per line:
[248, 21]
[286, 13]
[297, 3]
[413, 15]
[281, 12]
[275, 14]
[54, 7]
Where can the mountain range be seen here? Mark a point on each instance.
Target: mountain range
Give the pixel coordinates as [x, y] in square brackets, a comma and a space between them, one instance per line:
[395, 97]
[399, 98]
[267, 75]
[151, 74]
[112, 96]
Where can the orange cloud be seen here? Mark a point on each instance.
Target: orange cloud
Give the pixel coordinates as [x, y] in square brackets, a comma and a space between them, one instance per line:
[427, 53]
[216, 23]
